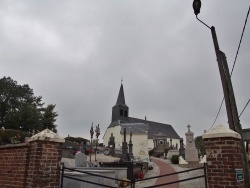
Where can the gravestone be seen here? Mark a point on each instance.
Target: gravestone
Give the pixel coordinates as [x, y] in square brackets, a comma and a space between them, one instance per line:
[111, 145]
[191, 153]
[182, 149]
[80, 160]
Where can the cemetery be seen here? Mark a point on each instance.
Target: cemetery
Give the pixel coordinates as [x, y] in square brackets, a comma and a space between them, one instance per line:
[43, 159]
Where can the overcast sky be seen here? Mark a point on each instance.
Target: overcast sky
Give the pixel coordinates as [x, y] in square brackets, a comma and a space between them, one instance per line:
[74, 54]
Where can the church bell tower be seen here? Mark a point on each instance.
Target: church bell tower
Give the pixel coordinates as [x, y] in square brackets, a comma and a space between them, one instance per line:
[120, 111]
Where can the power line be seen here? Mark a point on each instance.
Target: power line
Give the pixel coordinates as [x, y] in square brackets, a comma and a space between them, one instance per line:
[244, 107]
[240, 40]
[233, 67]
[217, 114]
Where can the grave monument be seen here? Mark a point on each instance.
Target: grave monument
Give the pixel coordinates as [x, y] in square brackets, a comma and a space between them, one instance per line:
[111, 145]
[191, 153]
[130, 148]
[124, 147]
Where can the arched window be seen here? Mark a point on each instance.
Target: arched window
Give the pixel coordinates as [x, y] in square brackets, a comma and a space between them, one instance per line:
[126, 113]
[121, 112]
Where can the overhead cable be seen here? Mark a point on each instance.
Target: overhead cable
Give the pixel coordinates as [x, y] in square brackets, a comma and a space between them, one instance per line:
[217, 114]
[240, 40]
[244, 108]
[233, 67]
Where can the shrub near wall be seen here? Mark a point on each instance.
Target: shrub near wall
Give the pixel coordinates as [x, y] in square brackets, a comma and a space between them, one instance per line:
[175, 159]
[8, 136]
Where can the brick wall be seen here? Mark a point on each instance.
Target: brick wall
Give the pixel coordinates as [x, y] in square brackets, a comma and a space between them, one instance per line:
[14, 165]
[224, 157]
[35, 164]
[44, 167]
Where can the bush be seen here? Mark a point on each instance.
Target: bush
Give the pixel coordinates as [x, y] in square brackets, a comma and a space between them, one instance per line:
[150, 152]
[175, 159]
[11, 136]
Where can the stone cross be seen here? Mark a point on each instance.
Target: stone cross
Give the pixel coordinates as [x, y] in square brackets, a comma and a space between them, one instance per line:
[191, 153]
[124, 156]
[130, 148]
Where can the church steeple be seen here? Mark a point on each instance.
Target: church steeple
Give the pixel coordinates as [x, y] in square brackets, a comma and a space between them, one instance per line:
[120, 110]
[121, 98]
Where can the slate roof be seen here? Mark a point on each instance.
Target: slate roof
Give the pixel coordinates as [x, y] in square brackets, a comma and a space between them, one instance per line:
[135, 128]
[153, 127]
[121, 98]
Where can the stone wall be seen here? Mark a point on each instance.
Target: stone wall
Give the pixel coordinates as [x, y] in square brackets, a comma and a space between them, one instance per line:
[35, 164]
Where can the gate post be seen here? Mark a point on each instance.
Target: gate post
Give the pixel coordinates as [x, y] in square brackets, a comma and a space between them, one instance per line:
[62, 174]
[224, 158]
[44, 160]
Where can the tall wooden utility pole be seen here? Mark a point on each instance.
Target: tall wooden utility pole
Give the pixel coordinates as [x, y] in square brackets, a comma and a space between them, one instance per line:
[231, 107]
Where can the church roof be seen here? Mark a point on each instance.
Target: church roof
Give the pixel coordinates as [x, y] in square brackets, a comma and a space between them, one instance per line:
[159, 134]
[121, 98]
[153, 127]
[135, 128]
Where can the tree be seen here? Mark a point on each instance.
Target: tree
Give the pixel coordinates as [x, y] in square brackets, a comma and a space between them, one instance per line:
[21, 110]
[49, 117]
[199, 143]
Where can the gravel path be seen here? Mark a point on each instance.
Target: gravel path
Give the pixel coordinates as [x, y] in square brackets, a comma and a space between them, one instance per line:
[196, 183]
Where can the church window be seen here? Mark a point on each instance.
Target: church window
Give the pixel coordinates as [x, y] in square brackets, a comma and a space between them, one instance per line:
[126, 113]
[121, 112]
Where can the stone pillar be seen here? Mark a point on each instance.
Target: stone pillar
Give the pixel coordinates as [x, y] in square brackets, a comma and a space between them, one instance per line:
[191, 153]
[224, 158]
[124, 156]
[44, 160]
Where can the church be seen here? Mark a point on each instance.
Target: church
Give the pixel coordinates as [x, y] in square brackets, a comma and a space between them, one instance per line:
[145, 134]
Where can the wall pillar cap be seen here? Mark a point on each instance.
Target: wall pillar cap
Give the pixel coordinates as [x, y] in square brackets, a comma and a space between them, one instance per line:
[221, 131]
[47, 135]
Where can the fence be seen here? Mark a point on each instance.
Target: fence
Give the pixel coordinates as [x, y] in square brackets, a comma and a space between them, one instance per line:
[132, 181]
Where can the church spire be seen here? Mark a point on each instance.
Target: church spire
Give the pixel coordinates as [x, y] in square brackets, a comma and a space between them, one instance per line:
[120, 111]
[121, 98]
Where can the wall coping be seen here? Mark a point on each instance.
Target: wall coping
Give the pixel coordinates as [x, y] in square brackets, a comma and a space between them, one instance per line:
[47, 135]
[221, 131]
[14, 145]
